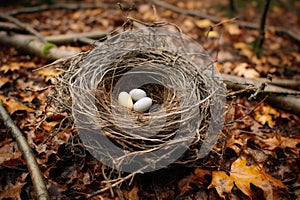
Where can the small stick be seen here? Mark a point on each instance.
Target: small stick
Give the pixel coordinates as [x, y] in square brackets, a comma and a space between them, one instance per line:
[35, 173]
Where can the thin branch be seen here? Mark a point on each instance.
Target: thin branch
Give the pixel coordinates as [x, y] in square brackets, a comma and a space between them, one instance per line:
[22, 25]
[261, 37]
[245, 24]
[35, 173]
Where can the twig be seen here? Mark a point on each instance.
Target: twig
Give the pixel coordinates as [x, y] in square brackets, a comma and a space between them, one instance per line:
[261, 37]
[245, 24]
[22, 25]
[35, 173]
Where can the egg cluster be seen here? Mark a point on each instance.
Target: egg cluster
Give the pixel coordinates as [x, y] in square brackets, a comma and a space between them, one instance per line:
[136, 99]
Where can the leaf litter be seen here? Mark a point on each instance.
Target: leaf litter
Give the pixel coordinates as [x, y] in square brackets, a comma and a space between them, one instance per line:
[261, 151]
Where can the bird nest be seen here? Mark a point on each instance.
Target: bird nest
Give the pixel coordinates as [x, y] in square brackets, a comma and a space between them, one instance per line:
[185, 119]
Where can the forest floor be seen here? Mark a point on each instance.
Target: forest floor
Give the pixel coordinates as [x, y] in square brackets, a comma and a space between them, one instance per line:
[260, 153]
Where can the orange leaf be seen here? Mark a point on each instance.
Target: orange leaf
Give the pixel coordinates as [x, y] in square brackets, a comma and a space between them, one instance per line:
[263, 114]
[244, 70]
[14, 66]
[12, 106]
[132, 194]
[221, 182]
[243, 175]
[204, 23]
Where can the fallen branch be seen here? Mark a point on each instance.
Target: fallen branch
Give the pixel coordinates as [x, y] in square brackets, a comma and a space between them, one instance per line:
[245, 24]
[69, 38]
[32, 45]
[285, 99]
[35, 173]
[61, 6]
[7, 26]
[22, 26]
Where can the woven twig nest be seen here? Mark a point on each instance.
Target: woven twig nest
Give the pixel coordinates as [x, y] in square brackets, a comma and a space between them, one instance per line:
[188, 96]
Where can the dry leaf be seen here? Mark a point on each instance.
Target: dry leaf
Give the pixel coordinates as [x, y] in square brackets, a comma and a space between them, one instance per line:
[3, 81]
[243, 175]
[12, 106]
[132, 194]
[8, 152]
[212, 34]
[14, 66]
[233, 29]
[49, 73]
[14, 191]
[204, 23]
[243, 70]
[221, 182]
[244, 48]
[264, 115]
[277, 141]
[197, 177]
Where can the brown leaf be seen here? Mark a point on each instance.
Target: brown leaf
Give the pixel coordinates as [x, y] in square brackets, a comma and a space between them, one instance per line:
[197, 177]
[222, 182]
[264, 115]
[282, 142]
[9, 152]
[14, 191]
[132, 194]
[203, 23]
[12, 106]
[243, 175]
[243, 70]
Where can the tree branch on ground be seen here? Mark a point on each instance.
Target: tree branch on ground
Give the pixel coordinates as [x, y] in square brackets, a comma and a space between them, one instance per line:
[22, 26]
[34, 46]
[285, 99]
[279, 30]
[35, 173]
[7, 26]
[277, 95]
[69, 38]
[62, 6]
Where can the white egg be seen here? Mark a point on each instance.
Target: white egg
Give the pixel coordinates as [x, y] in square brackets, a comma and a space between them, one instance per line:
[137, 94]
[142, 104]
[125, 100]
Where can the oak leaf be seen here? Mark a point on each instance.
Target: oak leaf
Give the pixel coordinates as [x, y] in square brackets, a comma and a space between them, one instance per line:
[264, 115]
[243, 176]
[12, 105]
[244, 70]
[222, 182]
[203, 23]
